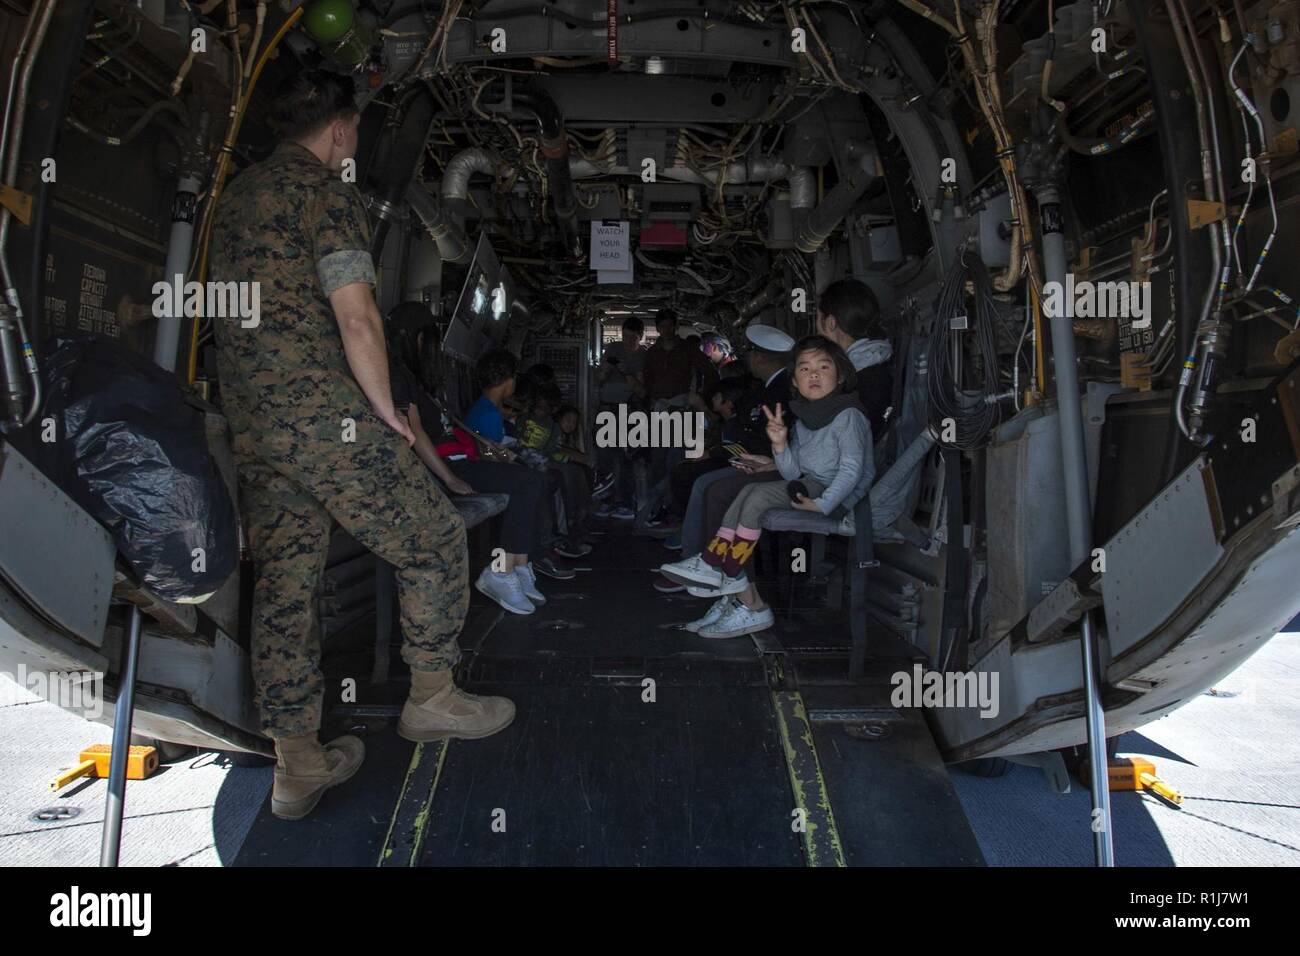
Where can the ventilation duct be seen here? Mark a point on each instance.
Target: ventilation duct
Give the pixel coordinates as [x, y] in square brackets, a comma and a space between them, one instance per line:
[821, 222]
[453, 245]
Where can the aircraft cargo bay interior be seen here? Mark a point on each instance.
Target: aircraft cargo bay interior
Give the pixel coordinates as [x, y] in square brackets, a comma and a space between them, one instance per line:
[649, 432]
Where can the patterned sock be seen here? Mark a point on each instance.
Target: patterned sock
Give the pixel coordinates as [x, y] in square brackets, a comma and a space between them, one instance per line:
[716, 551]
[741, 550]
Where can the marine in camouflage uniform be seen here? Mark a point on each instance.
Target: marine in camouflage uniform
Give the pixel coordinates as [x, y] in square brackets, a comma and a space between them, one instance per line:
[291, 224]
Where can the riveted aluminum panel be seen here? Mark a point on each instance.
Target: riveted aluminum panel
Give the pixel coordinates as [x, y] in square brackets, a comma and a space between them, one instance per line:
[54, 554]
[1155, 560]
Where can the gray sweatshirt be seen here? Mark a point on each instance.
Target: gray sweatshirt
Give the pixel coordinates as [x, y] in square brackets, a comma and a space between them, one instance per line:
[838, 456]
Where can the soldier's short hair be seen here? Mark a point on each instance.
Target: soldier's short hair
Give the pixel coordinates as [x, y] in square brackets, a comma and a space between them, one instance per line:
[495, 366]
[310, 99]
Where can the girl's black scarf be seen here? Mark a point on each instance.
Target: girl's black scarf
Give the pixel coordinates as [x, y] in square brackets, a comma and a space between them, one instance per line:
[820, 413]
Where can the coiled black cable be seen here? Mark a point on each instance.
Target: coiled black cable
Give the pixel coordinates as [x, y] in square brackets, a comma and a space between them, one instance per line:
[964, 414]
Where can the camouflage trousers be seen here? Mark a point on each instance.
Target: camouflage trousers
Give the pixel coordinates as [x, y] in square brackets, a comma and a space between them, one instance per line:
[382, 495]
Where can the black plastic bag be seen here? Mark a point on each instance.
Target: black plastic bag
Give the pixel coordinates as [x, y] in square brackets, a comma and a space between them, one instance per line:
[134, 453]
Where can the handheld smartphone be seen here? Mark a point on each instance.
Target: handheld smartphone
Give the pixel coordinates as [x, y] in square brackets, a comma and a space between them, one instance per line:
[796, 489]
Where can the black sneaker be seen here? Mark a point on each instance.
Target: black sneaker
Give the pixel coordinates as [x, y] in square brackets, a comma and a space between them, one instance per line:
[547, 565]
[571, 550]
[603, 484]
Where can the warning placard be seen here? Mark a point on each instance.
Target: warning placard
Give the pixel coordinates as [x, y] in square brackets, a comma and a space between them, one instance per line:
[609, 246]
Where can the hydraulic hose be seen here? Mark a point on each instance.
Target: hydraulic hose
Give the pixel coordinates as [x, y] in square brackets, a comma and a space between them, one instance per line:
[402, 157]
[555, 150]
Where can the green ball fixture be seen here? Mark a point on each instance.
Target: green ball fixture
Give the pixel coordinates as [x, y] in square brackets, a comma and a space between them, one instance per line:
[341, 34]
[328, 21]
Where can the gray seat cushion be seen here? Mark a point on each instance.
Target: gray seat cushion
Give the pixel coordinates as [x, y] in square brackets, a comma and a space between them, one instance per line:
[889, 497]
[476, 509]
[793, 519]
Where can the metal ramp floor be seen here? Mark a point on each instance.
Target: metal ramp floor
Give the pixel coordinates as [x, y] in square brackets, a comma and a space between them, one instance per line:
[638, 744]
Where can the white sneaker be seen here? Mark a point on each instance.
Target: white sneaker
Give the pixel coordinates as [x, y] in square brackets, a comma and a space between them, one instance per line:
[715, 611]
[693, 570]
[728, 586]
[528, 582]
[738, 620]
[504, 588]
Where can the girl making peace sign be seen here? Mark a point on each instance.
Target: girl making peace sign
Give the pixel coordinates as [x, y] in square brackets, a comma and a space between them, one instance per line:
[828, 464]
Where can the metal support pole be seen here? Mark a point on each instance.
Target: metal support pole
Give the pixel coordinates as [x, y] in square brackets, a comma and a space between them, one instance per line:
[124, 709]
[179, 245]
[1078, 507]
[1078, 504]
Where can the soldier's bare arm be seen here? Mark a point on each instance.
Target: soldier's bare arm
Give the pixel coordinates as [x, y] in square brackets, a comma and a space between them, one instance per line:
[429, 455]
[340, 235]
[362, 329]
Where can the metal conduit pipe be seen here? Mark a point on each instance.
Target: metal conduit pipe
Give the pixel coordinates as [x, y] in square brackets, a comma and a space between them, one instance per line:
[453, 245]
[1208, 166]
[1221, 192]
[731, 173]
[821, 222]
[759, 169]
[1212, 333]
[1175, 120]
[803, 187]
[15, 346]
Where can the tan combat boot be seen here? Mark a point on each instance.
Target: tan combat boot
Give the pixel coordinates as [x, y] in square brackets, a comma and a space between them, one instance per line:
[437, 708]
[305, 769]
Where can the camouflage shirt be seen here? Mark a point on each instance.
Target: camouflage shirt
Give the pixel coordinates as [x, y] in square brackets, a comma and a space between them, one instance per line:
[292, 225]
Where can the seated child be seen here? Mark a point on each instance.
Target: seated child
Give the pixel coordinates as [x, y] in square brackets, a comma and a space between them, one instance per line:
[495, 370]
[510, 580]
[539, 438]
[723, 440]
[569, 438]
[829, 455]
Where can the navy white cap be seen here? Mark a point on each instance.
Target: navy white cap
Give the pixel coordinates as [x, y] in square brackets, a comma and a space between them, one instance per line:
[769, 338]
